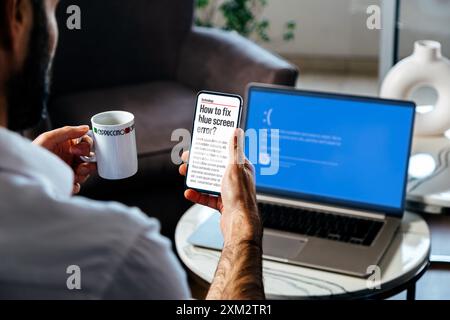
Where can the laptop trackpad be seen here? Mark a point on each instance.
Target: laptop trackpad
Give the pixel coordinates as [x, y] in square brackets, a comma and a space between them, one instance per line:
[282, 247]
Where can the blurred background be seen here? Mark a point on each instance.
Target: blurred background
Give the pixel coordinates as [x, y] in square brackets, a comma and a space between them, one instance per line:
[329, 41]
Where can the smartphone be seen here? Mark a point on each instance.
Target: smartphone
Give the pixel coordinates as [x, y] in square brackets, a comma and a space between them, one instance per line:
[216, 117]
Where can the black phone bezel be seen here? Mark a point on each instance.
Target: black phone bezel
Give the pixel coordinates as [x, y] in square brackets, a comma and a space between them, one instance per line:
[210, 192]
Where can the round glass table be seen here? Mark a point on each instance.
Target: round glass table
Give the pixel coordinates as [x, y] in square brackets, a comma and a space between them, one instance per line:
[404, 263]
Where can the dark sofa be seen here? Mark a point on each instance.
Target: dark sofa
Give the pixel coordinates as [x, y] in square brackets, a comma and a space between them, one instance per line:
[144, 56]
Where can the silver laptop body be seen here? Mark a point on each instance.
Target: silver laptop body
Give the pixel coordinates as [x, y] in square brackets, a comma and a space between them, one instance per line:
[349, 257]
[327, 254]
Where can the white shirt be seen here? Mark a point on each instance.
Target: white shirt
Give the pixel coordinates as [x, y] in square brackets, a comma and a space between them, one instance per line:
[44, 230]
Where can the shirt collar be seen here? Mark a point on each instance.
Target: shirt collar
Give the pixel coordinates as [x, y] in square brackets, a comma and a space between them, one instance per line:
[19, 157]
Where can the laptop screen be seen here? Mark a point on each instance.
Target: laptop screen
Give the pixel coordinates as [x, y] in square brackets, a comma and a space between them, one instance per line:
[337, 149]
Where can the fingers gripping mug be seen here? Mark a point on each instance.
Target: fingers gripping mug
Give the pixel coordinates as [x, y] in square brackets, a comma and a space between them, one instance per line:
[114, 148]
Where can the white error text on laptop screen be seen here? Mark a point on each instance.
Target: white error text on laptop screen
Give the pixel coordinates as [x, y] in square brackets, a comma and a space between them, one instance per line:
[332, 148]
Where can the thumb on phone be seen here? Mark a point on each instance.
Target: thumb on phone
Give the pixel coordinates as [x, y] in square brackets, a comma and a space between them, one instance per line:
[236, 147]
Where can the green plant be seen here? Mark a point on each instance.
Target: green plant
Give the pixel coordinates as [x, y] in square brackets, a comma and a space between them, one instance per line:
[242, 16]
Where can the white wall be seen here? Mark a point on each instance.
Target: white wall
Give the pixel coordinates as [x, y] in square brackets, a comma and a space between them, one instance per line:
[338, 27]
[428, 19]
[324, 27]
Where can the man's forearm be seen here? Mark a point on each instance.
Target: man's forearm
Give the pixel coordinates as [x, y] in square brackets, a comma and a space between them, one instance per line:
[239, 273]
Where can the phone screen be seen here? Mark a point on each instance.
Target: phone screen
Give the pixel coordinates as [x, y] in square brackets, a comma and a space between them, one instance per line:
[217, 115]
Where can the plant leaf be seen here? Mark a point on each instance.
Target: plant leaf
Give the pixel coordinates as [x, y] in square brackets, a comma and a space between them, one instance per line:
[201, 3]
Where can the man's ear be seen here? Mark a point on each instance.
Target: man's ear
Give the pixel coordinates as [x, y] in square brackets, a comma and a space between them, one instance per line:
[18, 19]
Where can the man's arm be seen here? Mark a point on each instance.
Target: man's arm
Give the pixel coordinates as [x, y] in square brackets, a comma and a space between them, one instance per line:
[239, 273]
[150, 270]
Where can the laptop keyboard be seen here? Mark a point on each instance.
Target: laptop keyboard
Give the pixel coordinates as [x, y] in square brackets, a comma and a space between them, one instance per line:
[341, 228]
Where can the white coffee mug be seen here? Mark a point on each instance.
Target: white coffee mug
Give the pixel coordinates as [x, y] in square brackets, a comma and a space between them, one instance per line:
[114, 147]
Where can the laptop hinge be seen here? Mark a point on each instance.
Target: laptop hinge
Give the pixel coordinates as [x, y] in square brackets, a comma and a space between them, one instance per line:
[320, 207]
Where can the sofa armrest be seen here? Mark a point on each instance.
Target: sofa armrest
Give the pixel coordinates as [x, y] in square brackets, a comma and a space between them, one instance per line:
[214, 59]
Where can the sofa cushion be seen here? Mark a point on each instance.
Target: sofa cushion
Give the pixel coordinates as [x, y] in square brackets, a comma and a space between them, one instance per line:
[159, 108]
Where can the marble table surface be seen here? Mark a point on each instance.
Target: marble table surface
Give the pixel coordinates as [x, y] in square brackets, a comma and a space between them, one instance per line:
[406, 257]
[429, 179]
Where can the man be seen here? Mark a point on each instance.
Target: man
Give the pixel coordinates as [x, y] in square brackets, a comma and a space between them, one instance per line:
[46, 231]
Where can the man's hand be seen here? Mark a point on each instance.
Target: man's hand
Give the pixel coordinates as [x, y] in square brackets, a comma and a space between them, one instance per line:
[237, 204]
[239, 274]
[64, 142]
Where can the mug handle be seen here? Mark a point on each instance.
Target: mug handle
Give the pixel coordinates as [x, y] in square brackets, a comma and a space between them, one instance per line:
[92, 157]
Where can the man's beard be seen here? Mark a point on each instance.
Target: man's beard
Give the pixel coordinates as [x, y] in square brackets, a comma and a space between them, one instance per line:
[28, 90]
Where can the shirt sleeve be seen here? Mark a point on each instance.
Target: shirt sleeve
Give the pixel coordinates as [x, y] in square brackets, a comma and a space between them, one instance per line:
[150, 270]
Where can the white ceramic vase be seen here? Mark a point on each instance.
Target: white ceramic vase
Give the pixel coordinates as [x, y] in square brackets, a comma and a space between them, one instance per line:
[426, 67]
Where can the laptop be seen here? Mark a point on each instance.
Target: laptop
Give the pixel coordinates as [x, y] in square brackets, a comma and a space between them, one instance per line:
[331, 176]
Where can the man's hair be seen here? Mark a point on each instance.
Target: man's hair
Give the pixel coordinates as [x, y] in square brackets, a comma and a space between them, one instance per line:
[4, 40]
